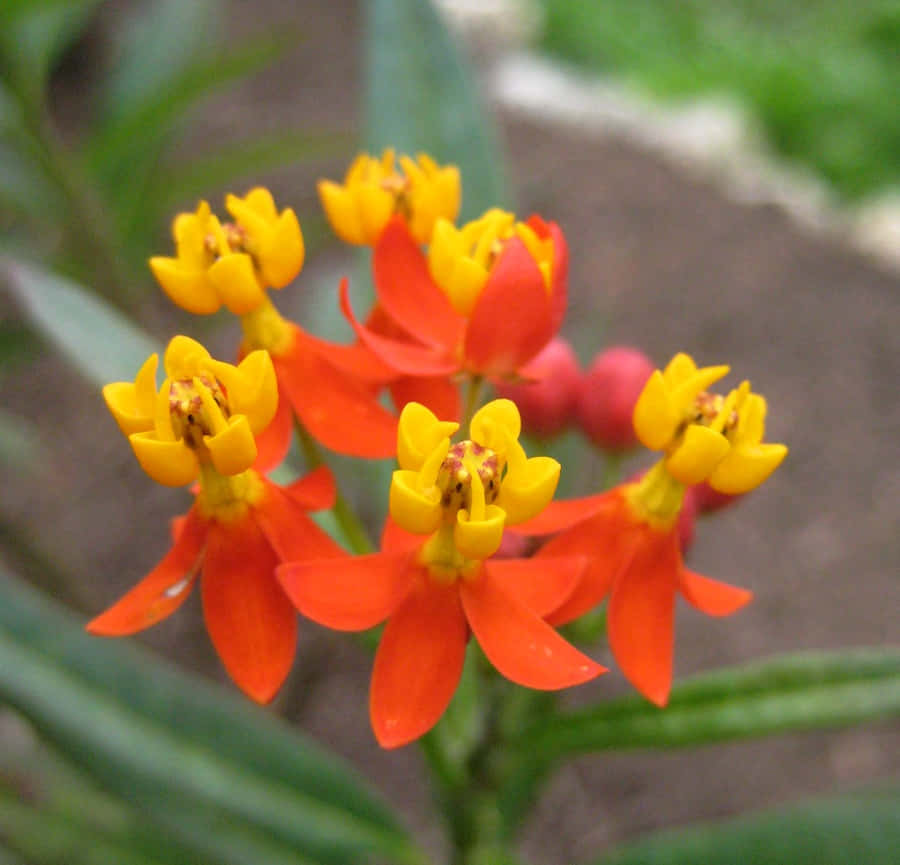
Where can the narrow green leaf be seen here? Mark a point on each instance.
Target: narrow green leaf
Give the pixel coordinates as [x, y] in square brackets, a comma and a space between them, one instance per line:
[793, 692]
[103, 344]
[166, 742]
[161, 41]
[422, 96]
[863, 828]
[182, 182]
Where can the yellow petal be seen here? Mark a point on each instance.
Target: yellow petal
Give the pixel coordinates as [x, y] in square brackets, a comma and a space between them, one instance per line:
[252, 387]
[375, 208]
[132, 404]
[258, 201]
[419, 432]
[235, 280]
[683, 395]
[170, 463]
[340, 208]
[655, 419]
[190, 289]
[751, 420]
[493, 422]
[746, 467]
[479, 539]
[463, 287]
[680, 368]
[234, 449]
[415, 510]
[699, 452]
[281, 253]
[524, 494]
[184, 357]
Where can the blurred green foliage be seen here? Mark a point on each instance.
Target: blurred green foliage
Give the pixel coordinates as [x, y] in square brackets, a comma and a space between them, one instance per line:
[820, 76]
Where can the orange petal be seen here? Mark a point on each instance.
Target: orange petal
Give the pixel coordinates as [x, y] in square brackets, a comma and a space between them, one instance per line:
[407, 292]
[606, 540]
[315, 491]
[559, 277]
[249, 618]
[564, 514]
[542, 584]
[290, 532]
[394, 539]
[641, 614]
[356, 359]
[511, 322]
[350, 594]
[404, 357]
[711, 596]
[439, 394]
[163, 590]
[520, 644]
[273, 443]
[418, 664]
[337, 411]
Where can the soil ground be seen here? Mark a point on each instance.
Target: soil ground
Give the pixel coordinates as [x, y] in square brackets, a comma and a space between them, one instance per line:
[660, 261]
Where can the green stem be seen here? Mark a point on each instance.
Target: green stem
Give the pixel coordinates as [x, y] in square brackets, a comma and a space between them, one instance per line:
[88, 223]
[473, 392]
[352, 527]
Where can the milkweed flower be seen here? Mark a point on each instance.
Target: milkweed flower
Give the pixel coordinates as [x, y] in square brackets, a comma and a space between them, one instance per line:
[330, 388]
[631, 533]
[200, 425]
[484, 300]
[434, 581]
[419, 192]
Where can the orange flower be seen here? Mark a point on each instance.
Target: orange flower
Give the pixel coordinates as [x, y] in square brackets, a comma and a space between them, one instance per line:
[486, 300]
[639, 566]
[631, 532]
[435, 590]
[201, 423]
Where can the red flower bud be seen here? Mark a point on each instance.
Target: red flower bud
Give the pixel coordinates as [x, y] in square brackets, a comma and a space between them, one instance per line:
[607, 395]
[710, 500]
[546, 404]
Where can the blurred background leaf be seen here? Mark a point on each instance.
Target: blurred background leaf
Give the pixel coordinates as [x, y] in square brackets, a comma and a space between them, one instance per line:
[423, 97]
[179, 749]
[864, 828]
[805, 691]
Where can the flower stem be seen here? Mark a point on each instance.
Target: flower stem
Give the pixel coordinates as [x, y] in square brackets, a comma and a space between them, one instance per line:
[473, 392]
[351, 526]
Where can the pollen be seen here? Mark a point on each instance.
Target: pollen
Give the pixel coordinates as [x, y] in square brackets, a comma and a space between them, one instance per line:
[464, 462]
[193, 406]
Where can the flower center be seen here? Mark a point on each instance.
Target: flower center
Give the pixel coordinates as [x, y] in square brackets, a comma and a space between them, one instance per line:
[468, 464]
[197, 406]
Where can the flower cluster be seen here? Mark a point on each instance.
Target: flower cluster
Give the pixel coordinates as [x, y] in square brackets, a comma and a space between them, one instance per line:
[456, 306]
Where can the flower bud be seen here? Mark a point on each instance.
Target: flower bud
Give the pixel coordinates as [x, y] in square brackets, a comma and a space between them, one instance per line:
[547, 404]
[709, 500]
[607, 395]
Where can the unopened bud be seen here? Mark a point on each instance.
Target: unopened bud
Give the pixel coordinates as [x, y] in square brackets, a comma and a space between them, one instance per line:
[547, 404]
[710, 500]
[608, 393]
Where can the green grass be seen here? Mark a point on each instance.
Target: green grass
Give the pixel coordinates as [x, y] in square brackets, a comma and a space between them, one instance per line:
[822, 77]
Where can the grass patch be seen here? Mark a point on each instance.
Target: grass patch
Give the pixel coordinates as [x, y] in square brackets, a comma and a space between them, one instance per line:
[821, 77]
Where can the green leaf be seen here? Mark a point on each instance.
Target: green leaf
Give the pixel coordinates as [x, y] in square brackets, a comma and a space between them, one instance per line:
[863, 828]
[161, 41]
[422, 97]
[170, 744]
[792, 692]
[103, 344]
[35, 38]
[183, 182]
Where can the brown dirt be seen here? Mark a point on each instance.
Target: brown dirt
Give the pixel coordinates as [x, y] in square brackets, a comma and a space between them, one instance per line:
[660, 261]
